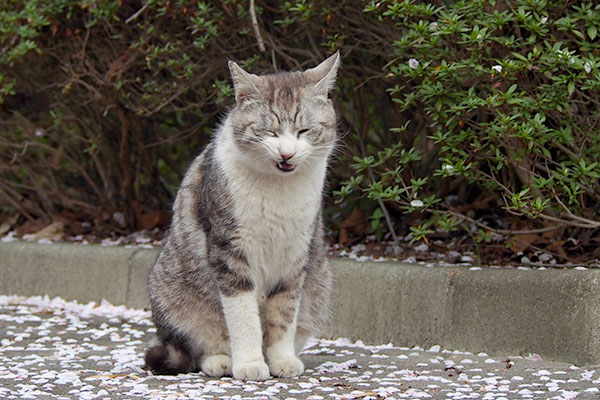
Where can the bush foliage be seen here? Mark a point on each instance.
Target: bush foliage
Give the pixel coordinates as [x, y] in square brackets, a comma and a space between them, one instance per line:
[453, 114]
[508, 95]
[105, 102]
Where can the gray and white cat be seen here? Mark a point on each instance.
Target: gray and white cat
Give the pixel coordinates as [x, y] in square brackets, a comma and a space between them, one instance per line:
[243, 275]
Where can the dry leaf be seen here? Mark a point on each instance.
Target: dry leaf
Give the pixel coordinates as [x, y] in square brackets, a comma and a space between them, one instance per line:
[30, 227]
[343, 236]
[54, 231]
[8, 223]
[557, 248]
[356, 222]
[552, 234]
[482, 202]
[153, 219]
[367, 394]
[519, 243]
[43, 312]
[112, 376]
[78, 227]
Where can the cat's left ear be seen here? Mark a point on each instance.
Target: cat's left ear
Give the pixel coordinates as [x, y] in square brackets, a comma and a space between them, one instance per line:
[245, 84]
[324, 74]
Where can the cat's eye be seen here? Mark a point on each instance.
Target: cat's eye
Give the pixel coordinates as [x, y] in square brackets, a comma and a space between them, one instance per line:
[302, 131]
[272, 133]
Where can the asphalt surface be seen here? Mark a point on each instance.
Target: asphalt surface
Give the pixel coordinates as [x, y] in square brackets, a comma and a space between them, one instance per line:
[54, 349]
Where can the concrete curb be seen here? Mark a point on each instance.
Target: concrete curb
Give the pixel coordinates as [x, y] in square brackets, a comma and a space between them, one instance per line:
[553, 313]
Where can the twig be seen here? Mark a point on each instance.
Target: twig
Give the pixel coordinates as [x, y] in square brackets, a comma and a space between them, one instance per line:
[179, 92]
[314, 46]
[259, 39]
[388, 219]
[273, 60]
[574, 221]
[137, 13]
[504, 231]
[592, 224]
[83, 47]
[15, 203]
[364, 82]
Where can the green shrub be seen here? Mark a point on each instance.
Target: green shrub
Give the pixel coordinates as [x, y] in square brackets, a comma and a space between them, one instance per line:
[507, 94]
[103, 103]
[106, 102]
[444, 106]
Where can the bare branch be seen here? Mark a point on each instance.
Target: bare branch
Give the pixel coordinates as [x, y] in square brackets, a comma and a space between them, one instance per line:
[137, 14]
[259, 39]
[504, 231]
[590, 223]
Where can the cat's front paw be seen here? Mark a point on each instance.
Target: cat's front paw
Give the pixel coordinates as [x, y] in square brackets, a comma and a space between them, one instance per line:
[216, 365]
[286, 367]
[251, 371]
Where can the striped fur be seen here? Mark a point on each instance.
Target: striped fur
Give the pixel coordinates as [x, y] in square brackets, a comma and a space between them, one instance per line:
[243, 274]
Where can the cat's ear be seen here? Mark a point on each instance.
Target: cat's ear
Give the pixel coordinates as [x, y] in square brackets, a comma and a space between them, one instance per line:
[324, 74]
[245, 84]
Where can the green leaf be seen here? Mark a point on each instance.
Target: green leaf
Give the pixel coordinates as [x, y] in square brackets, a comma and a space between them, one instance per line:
[592, 32]
[571, 87]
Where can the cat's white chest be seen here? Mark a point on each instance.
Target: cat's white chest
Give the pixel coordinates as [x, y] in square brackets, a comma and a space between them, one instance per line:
[274, 213]
[275, 224]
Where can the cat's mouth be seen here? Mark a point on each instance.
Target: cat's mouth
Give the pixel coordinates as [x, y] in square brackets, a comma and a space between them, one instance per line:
[285, 166]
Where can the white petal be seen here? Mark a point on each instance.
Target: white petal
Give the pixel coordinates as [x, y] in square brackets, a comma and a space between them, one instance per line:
[416, 203]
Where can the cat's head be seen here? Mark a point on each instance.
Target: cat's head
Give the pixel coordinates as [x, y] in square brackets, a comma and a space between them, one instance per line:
[284, 122]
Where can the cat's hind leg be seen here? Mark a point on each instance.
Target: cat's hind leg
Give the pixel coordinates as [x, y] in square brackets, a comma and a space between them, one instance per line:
[211, 341]
[215, 358]
[165, 358]
[315, 302]
[189, 338]
[302, 336]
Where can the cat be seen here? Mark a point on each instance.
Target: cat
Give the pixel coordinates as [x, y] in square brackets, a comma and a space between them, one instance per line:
[243, 275]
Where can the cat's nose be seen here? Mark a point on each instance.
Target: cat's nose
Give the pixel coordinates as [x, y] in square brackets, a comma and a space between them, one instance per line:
[286, 155]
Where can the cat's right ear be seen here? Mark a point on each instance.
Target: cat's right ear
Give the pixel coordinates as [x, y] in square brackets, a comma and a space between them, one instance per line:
[245, 85]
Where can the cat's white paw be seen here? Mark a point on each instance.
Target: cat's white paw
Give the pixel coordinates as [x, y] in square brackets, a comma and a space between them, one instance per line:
[286, 367]
[216, 365]
[251, 371]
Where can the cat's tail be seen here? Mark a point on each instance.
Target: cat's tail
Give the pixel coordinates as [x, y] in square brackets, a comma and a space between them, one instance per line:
[167, 359]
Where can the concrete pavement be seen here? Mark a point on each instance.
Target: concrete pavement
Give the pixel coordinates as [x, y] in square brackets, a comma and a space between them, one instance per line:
[553, 313]
[54, 349]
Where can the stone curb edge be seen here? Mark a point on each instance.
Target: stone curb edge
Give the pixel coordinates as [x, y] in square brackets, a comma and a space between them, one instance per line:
[553, 313]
